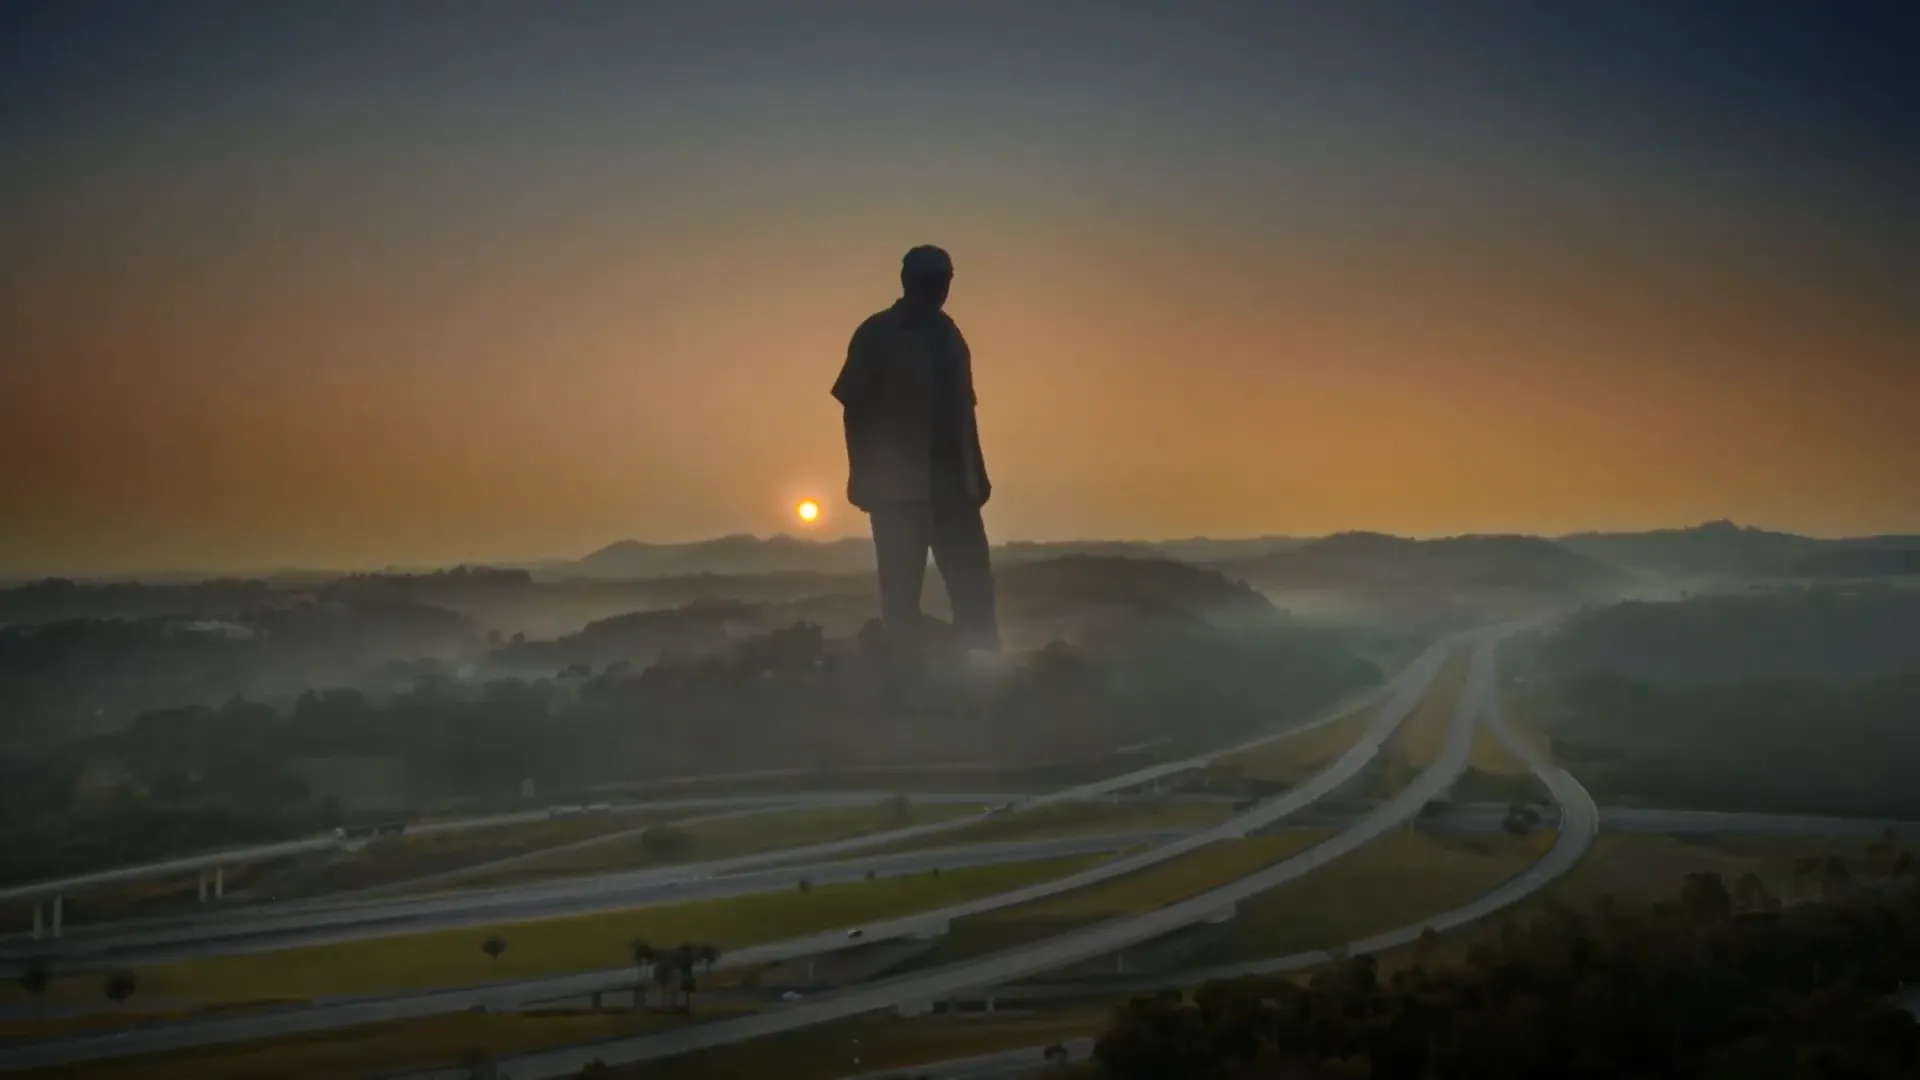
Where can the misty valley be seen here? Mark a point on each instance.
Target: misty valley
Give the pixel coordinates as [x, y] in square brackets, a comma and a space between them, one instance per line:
[733, 755]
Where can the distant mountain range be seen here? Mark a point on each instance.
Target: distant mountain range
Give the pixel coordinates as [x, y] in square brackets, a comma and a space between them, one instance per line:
[1724, 548]
[1364, 559]
[1580, 559]
[1716, 548]
[743, 554]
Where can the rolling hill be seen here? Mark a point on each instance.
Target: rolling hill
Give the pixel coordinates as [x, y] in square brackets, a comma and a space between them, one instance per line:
[1722, 548]
[1364, 559]
[743, 554]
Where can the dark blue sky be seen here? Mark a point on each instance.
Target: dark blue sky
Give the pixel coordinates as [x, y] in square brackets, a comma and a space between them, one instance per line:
[1830, 78]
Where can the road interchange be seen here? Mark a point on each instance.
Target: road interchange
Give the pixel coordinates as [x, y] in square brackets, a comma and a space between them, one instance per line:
[1478, 706]
[1396, 700]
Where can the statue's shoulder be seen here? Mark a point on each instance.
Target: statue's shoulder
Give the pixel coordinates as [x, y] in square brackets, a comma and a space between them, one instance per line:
[877, 326]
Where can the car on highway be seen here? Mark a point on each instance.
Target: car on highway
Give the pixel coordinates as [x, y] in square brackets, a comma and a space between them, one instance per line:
[856, 932]
[791, 995]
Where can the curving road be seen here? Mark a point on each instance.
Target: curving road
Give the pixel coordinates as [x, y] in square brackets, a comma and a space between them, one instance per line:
[233, 856]
[1400, 696]
[1580, 824]
[1480, 690]
[231, 930]
[188, 864]
[246, 928]
[684, 887]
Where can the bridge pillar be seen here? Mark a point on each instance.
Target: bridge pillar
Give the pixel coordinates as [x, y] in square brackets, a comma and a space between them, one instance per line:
[203, 886]
[38, 916]
[219, 882]
[58, 902]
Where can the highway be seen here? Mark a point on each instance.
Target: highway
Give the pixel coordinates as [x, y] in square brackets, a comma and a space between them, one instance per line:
[1016, 803]
[351, 916]
[233, 929]
[1400, 696]
[682, 884]
[668, 885]
[1476, 698]
[188, 864]
[1580, 824]
[1580, 821]
[312, 923]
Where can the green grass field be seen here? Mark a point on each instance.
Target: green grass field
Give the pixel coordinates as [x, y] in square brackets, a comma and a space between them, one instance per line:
[556, 946]
[1391, 882]
[1646, 868]
[373, 1049]
[334, 871]
[1291, 760]
[1422, 734]
[730, 837]
[1522, 708]
[393, 862]
[1296, 757]
[1076, 819]
[1494, 774]
[822, 1053]
[1157, 886]
[1012, 779]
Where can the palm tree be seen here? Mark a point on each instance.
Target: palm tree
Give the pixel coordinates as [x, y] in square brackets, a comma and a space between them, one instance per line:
[685, 955]
[709, 955]
[644, 957]
[493, 947]
[663, 973]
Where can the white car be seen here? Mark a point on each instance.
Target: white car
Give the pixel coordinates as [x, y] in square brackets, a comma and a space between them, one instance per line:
[791, 995]
[856, 932]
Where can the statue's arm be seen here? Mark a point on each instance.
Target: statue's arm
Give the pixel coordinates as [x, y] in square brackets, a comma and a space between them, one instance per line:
[859, 380]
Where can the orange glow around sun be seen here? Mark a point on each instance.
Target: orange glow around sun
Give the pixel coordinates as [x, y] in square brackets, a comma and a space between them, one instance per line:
[807, 511]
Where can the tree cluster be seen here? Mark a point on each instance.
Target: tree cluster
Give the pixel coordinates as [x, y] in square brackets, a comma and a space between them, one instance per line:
[1720, 983]
[670, 971]
[1827, 632]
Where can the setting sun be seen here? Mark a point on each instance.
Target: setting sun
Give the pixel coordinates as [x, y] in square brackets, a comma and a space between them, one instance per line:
[807, 510]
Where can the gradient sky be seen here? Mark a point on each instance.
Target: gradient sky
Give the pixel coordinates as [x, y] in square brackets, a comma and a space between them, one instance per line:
[353, 284]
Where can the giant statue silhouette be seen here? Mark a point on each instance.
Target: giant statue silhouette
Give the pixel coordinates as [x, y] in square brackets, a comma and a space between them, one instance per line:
[913, 453]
